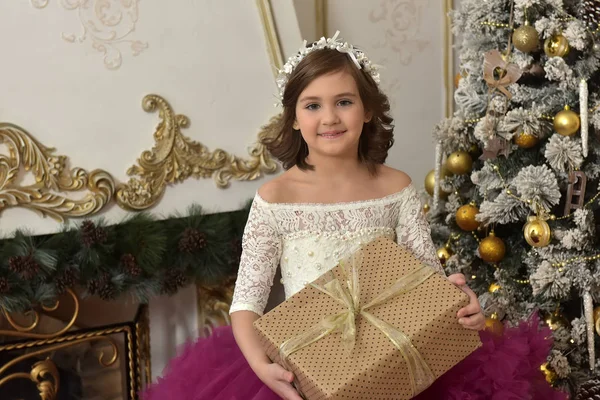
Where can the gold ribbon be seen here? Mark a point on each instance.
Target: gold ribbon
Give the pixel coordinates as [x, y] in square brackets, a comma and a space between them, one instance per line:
[345, 322]
[510, 72]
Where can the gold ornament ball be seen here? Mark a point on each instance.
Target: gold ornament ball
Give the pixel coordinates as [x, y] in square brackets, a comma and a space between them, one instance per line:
[465, 217]
[548, 373]
[494, 287]
[566, 122]
[457, 79]
[444, 253]
[556, 320]
[494, 325]
[526, 38]
[459, 162]
[426, 208]
[537, 232]
[596, 314]
[492, 249]
[556, 46]
[430, 181]
[526, 140]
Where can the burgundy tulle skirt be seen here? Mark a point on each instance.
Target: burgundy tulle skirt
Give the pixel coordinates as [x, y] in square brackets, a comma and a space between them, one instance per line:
[506, 367]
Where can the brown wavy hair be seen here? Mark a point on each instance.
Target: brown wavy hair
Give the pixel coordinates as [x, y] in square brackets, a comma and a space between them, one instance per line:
[288, 146]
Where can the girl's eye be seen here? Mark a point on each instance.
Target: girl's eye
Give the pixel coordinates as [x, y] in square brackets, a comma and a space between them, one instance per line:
[344, 103]
[313, 106]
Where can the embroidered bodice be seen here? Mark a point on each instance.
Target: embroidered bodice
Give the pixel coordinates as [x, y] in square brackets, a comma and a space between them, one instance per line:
[307, 240]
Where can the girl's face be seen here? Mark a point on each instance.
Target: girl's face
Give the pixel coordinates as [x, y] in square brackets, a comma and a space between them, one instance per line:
[330, 115]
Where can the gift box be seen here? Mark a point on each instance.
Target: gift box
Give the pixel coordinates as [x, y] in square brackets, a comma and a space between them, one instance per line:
[380, 325]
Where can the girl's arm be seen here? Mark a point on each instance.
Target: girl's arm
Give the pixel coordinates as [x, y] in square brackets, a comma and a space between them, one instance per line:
[261, 251]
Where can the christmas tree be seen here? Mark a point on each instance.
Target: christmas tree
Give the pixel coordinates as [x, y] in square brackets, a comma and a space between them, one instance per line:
[515, 193]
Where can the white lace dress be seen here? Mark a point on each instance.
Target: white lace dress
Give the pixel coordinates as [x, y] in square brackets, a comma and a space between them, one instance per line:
[306, 240]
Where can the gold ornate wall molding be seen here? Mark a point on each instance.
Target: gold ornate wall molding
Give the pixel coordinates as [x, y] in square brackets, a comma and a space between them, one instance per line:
[175, 158]
[106, 24]
[25, 154]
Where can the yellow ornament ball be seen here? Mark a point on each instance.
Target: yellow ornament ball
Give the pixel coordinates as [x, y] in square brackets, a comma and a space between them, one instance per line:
[556, 320]
[556, 46]
[566, 122]
[494, 287]
[526, 38]
[525, 140]
[459, 162]
[426, 208]
[430, 181]
[537, 232]
[548, 373]
[597, 314]
[457, 79]
[494, 325]
[444, 253]
[492, 249]
[465, 217]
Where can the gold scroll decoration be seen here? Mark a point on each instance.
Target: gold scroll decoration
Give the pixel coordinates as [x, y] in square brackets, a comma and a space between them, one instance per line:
[25, 154]
[175, 158]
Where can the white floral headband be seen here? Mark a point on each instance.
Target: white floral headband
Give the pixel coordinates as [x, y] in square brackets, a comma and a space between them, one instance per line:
[358, 57]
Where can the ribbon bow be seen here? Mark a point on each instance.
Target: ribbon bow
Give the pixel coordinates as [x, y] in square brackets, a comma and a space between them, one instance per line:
[348, 294]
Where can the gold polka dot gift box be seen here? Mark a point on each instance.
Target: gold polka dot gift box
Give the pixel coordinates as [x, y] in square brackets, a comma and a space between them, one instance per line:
[380, 325]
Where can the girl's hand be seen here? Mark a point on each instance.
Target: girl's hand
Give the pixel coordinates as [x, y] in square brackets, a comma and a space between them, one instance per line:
[470, 316]
[278, 380]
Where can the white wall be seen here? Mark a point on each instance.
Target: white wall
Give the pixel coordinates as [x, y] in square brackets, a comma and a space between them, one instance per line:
[208, 58]
[406, 38]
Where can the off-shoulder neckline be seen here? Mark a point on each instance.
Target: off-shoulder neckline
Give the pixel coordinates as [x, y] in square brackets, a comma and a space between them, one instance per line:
[344, 204]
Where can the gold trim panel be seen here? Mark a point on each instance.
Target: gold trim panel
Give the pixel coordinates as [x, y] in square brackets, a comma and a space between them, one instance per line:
[270, 30]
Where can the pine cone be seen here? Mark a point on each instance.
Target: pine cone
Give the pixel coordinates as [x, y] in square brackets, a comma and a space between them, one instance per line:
[94, 285]
[25, 266]
[107, 292]
[91, 234]
[66, 279]
[130, 265]
[4, 285]
[192, 240]
[173, 280]
[590, 13]
[590, 390]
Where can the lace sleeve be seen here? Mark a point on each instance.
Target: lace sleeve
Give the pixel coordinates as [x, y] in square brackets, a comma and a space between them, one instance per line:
[261, 251]
[414, 233]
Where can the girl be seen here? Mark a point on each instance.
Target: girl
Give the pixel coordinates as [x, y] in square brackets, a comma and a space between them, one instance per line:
[335, 194]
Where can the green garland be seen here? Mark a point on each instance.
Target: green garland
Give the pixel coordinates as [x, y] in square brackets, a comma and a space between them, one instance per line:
[142, 256]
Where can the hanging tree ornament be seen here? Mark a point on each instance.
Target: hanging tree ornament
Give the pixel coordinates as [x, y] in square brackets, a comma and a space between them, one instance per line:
[509, 73]
[575, 191]
[549, 374]
[583, 111]
[588, 310]
[556, 46]
[589, 12]
[526, 38]
[494, 325]
[430, 181]
[444, 253]
[459, 162]
[492, 249]
[494, 287]
[526, 140]
[465, 217]
[566, 122]
[537, 232]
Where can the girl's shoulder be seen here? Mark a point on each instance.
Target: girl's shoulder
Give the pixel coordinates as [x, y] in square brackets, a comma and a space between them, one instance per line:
[392, 180]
